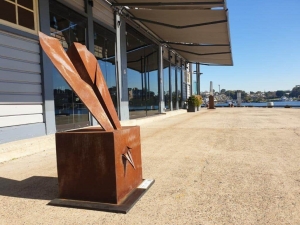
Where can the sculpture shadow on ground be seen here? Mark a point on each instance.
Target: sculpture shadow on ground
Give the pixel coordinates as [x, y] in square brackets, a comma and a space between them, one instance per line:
[35, 187]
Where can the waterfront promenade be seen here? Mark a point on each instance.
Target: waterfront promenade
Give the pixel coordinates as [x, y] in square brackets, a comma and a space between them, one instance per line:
[222, 166]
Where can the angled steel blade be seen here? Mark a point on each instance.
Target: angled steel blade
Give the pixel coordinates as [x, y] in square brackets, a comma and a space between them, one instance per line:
[89, 70]
[63, 64]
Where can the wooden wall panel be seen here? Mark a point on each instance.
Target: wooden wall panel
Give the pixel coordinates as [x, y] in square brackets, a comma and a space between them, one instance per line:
[103, 12]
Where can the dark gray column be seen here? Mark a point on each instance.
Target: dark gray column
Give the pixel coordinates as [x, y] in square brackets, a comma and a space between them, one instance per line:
[183, 89]
[47, 67]
[121, 67]
[161, 102]
[176, 82]
[90, 42]
[198, 78]
[191, 78]
[170, 83]
[90, 26]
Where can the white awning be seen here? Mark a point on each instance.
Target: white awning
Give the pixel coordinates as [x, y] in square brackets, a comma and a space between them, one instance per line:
[197, 30]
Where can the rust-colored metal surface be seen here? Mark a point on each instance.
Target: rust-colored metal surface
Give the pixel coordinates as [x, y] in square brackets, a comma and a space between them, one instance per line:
[89, 70]
[211, 104]
[94, 164]
[92, 167]
[85, 92]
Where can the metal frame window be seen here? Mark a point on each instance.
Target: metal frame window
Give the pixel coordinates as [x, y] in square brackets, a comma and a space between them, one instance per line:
[20, 14]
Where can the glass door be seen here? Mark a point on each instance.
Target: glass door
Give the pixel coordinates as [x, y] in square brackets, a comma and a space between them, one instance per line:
[142, 72]
[68, 27]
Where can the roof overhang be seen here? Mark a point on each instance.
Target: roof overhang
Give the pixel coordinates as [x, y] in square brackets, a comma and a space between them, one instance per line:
[197, 30]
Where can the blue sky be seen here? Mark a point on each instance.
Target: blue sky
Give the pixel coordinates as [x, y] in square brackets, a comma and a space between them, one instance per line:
[265, 40]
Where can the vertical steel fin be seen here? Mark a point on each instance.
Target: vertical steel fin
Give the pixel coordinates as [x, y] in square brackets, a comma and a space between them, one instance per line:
[85, 92]
[89, 70]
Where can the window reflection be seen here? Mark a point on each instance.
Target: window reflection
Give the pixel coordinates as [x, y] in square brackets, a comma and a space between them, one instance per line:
[68, 27]
[21, 13]
[104, 50]
[142, 72]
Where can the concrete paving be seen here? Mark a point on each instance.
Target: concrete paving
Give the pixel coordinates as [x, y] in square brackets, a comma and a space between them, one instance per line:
[222, 166]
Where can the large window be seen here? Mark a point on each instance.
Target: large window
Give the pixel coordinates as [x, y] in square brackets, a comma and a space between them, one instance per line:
[20, 14]
[142, 71]
[67, 26]
[105, 53]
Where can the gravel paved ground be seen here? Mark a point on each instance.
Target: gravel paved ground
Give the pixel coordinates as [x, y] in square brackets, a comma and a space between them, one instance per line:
[223, 166]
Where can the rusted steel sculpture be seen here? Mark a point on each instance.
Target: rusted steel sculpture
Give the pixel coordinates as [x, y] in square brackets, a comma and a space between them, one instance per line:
[89, 70]
[85, 92]
[98, 168]
[211, 103]
[94, 165]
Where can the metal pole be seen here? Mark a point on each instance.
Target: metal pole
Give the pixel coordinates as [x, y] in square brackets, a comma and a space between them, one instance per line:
[160, 80]
[198, 78]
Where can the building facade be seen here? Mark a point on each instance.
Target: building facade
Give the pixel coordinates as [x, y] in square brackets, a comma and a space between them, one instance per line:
[144, 76]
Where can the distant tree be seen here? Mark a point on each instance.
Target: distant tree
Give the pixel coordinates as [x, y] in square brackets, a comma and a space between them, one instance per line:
[230, 94]
[270, 94]
[251, 92]
[295, 92]
[233, 94]
[243, 93]
[248, 98]
[223, 91]
[259, 99]
[279, 93]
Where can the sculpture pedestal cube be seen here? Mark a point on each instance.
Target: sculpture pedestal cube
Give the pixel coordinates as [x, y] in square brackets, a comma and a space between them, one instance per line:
[100, 170]
[211, 104]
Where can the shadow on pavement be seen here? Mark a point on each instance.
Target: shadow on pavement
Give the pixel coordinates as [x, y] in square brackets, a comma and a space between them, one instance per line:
[36, 187]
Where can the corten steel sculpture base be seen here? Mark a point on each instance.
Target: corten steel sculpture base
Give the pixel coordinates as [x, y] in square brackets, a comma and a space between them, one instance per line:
[98, 168]
[101, 170]
[211, 103]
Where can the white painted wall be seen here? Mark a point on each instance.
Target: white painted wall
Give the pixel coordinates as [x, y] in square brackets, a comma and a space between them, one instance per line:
[12, 110]
[8, 121]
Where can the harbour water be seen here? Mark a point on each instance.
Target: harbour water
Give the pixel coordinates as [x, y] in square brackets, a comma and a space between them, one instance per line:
[293, 104]
[83, 110]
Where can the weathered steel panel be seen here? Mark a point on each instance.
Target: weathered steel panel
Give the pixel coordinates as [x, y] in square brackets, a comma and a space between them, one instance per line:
[92, 167]
[85, 92]
[89, 70]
